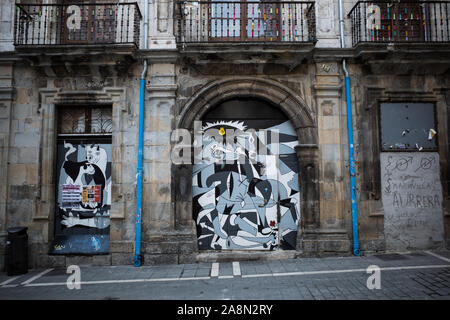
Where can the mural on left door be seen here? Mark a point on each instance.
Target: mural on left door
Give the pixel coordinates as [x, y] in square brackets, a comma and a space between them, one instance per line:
[83, 197]
[243, 204]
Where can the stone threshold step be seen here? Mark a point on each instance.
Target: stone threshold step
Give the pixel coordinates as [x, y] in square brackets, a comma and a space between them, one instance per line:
[242, 255]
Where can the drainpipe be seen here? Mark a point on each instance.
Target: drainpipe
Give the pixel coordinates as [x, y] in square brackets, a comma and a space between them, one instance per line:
[351, 150]
[138, 253]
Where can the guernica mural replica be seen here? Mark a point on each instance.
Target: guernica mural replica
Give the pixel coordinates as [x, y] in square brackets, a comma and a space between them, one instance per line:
[245, 190]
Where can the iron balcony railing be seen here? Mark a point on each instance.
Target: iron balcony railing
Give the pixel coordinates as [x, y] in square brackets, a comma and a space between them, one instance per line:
[400, 21]
[245, 21]
[77, 24]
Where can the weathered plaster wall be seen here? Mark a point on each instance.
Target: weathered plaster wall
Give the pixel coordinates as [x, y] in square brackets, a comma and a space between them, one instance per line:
[412, 200]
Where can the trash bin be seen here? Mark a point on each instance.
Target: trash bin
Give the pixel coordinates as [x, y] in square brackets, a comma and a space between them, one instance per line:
[16, 260]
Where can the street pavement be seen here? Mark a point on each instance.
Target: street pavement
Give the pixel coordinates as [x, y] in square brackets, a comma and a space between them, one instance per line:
[421, 275]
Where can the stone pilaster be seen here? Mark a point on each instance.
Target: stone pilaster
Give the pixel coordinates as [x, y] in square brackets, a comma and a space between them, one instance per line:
[158, 125]
[327, 233]
[327, 23]
[6, 96]
[7, 11]
[164, 240]
[161, 23]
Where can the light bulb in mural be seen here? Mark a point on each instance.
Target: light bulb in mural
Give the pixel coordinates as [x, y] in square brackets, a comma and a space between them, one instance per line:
[224, 141]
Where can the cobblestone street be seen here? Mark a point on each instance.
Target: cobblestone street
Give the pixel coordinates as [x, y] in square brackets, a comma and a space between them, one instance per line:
[418, 275]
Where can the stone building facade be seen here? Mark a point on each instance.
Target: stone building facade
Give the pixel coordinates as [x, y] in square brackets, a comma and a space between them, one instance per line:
[69, 115]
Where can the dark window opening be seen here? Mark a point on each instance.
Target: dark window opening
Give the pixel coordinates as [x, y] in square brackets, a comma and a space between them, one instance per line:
[408, 127]
[258, 113]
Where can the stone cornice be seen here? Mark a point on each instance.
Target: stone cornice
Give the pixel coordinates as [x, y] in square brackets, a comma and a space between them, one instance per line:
[364, 51]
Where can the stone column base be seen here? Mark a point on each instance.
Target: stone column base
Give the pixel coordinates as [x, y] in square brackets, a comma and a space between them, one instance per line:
[320, 243]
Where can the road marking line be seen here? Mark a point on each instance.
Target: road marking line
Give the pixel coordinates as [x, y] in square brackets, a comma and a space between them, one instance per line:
[298, 273]
[236, 269]
[10, 286]
[215, 269]
[4, 283]
[195, 278]
[416, 267]
[116, 281]
[302, 273]
[438, 256]
[243, 276]
[257, 275]
[47, 284]
[36, 277]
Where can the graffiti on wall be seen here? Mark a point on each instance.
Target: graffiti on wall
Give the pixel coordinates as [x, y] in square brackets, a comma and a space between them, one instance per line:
[245, 190]
[412, 200]
[84, 197]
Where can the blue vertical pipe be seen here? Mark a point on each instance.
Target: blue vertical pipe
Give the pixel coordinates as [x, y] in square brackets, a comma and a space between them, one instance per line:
[138, 255]
[351, 157]
[351, 150]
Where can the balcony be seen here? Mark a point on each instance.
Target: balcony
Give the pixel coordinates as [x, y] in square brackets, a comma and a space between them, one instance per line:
[400, 22]
[78, 24]
[245, 22]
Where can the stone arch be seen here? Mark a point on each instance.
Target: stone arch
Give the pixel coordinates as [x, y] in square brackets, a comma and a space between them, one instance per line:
[272, 91]
[301, 116]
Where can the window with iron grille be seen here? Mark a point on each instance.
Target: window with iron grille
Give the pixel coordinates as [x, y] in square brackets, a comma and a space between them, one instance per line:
[247, 20]
[400, 21]
[85, 120]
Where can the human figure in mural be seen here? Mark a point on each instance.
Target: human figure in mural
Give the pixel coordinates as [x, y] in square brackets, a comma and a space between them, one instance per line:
[237, 194]
[91, 209]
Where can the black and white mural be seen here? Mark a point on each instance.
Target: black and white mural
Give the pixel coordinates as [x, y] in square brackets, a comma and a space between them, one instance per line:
[245, 189]
[83, 197]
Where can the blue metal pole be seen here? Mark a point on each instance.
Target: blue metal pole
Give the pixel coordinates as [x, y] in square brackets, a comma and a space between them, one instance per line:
[356, 250]
[138, 255]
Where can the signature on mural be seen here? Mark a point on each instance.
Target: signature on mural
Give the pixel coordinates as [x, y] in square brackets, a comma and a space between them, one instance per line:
[239, 193]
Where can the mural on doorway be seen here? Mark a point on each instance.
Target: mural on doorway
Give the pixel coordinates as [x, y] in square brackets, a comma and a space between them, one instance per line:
[250, 197]
[83, 197]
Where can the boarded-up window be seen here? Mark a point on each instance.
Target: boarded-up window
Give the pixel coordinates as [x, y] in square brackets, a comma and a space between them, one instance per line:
[408, 126]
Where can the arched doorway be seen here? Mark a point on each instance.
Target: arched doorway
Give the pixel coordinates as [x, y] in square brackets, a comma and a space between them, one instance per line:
[245, 190]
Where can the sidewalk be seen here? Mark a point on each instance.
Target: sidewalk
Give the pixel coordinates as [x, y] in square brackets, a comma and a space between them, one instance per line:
[417, 275]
